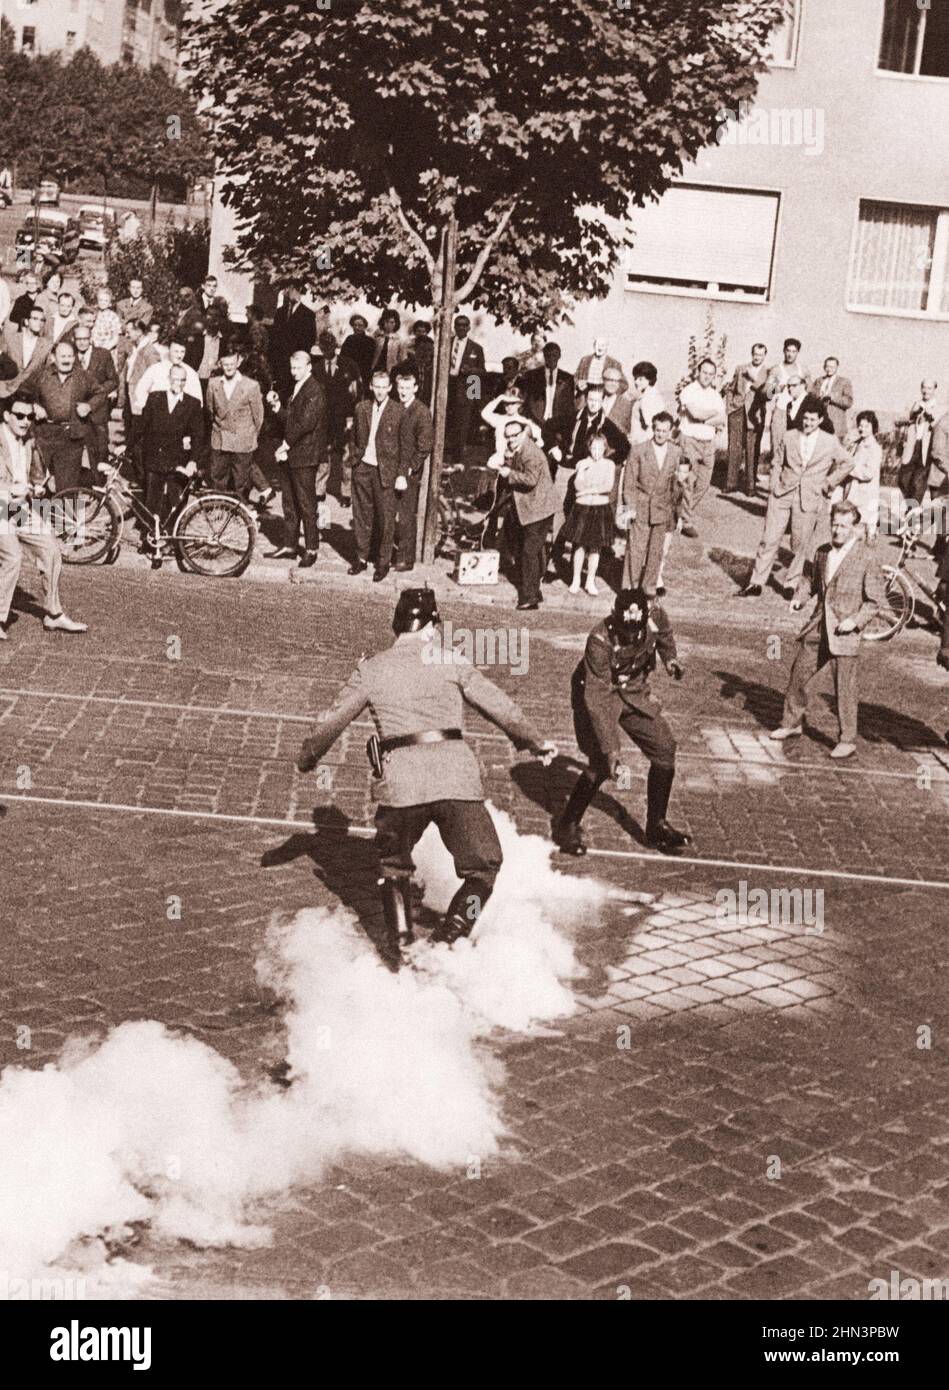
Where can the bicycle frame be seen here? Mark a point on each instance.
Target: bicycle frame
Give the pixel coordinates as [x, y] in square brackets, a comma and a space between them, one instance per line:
[142, 513]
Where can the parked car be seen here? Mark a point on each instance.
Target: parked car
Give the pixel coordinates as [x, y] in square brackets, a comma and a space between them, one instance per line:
[52, 234]
[96, 226]
[48, 193]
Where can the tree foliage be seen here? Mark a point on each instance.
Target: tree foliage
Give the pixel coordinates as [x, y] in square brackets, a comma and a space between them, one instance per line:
[110, 126]
[350, 133]
[163, 260]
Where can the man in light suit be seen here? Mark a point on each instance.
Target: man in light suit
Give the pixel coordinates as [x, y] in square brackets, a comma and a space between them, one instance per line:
[29, 347]
[746, 401]
[379, 471]
[416, 437]
[134, 306]
[531, 506]
[100, 369]
[814, 463]
[465, 378]
[836, 393]
[22, 472]
[850, 588]
[304, 466]
[63, 322]
[618, 404]
[921, 420]
[647, 503]
[236, 414]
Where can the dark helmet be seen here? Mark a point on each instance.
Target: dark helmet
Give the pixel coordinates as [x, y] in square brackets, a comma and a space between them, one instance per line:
[415, 609]
[630, 614]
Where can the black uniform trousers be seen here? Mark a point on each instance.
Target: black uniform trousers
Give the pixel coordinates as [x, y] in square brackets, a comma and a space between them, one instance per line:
[467, 832]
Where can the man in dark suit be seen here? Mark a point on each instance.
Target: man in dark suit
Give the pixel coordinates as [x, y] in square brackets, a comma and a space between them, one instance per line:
[647, 503]
[304, 469]
[172, 439]
[378, 471]
[339, 376]
[531, 506]
[98, 365]
[466, 372]
[294, 330]
[65, 399]
[548, 399]
[850, 588]
[360, 348]
[416, 437]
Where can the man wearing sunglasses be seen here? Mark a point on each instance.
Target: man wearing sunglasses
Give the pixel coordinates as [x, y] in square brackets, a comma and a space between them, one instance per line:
[22, 526]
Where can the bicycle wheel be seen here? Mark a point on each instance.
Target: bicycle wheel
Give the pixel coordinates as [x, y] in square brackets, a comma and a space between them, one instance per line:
[215, 536]
[896, 610]
[88, 524]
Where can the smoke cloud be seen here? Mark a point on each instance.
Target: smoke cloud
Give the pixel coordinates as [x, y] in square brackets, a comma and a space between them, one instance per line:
[150, 1128]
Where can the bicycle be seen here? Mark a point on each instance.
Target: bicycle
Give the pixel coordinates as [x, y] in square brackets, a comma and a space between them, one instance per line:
[901, 582]
[463, 520]
[209, 533]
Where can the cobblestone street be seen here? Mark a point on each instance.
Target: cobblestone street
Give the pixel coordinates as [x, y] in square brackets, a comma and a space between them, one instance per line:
[776, 1127]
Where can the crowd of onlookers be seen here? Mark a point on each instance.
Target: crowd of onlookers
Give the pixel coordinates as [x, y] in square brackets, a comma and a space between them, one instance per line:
[591, 464]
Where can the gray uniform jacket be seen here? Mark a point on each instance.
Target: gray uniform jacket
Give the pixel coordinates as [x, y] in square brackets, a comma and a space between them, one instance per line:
[411, 688]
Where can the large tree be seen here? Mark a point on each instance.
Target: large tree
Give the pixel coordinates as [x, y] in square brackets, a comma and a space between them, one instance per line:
[365, 143]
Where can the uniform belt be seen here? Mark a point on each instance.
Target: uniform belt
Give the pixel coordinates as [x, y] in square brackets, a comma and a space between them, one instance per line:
[410, 740]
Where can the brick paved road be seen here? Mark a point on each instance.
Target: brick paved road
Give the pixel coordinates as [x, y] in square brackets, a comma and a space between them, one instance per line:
[643, 1168]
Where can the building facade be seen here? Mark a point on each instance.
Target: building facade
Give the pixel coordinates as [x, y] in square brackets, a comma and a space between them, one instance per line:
[144, 32]
[821, 212]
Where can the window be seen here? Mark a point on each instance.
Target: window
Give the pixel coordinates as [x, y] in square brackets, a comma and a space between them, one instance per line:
[28, 39]
[900, 260]
[707, 241]
[782, 50]
[915, 38]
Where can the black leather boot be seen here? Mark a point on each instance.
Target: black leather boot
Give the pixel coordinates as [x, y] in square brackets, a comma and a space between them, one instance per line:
[464, 910]
[565, 831]
[659, 833]
[397, 914]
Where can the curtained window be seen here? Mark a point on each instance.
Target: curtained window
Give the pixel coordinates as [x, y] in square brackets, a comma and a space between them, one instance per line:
[899, 259]
[915, 38]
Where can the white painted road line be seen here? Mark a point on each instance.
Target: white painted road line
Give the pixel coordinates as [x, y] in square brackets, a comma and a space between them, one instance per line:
[367, 832]
[487, 736]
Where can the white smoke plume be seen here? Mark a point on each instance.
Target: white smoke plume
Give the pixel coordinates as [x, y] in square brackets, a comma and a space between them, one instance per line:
[150, 1128]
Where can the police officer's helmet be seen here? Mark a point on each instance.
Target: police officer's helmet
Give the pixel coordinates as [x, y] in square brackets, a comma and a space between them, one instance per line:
[415, 609]
[630, 614]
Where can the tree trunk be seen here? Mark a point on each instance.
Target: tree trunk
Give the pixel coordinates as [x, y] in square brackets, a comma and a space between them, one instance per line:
[153, 209]
[443, 319]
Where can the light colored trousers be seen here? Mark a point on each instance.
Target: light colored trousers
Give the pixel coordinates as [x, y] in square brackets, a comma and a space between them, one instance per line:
[781, 512]
[700, 454]
[44, 549]
[811, 658]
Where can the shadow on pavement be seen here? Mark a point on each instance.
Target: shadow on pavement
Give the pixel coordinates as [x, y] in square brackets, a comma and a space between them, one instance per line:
[550, 787]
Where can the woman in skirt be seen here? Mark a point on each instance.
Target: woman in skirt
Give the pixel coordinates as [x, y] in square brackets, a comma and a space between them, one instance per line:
[589, 527]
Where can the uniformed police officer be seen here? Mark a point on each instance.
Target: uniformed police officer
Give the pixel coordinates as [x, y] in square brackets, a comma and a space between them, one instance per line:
[610, 692]
[425, 772]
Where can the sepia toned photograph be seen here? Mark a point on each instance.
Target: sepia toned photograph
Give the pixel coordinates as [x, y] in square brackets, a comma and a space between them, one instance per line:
[474, 666]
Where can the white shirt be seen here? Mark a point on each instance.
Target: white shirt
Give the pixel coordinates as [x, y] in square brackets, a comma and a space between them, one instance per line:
[457, 352]
[296, 390]
[549, 393]
[595, 369]
[808, 445]
[155, 378]
[173, 400]
[699, 399]
[827, 385]
[648, 405]
[660, 450]
[59, 325]
[229, 383]
[370, 455]
[30, 344]
[836, 557]
[782, 375]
